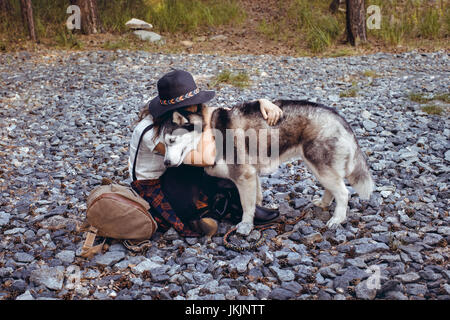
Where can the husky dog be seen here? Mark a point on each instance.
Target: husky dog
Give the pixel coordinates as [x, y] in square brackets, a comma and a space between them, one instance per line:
[314, 132]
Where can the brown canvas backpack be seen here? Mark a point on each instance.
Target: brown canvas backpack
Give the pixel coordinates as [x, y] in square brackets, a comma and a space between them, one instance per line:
[118, 212]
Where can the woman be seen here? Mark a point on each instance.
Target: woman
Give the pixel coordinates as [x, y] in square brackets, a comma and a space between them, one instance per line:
[176, 90]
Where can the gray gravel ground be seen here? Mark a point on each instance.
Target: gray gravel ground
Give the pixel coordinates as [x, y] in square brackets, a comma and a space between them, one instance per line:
[66, 119]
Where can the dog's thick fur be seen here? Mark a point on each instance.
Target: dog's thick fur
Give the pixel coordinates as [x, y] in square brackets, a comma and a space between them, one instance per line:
[314, 132]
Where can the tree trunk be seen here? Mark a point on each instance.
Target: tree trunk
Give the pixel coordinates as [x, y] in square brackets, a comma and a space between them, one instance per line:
[27, 17]
[90, 22]
[5, 6]
[356, 22]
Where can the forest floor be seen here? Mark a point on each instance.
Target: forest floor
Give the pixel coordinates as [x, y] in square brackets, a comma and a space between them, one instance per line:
[244, 37]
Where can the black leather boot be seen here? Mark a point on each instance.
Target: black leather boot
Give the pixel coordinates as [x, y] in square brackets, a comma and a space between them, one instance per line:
[265, 215]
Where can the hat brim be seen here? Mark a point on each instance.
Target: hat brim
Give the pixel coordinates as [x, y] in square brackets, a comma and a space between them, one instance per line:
[157, 109]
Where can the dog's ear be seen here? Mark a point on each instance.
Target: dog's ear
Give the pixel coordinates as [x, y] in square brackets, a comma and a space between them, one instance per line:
[178, 119]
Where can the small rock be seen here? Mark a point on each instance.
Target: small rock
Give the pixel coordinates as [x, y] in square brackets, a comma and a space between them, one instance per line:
[145, 265]
[267, 257]
[366, 248]
[334, 98]
[4, 218]
[300, 202]
[432, 239]
[294, 258]
[444, 230]
[25, 296]
[51, 277]
[447, 155]
[66, 256]
[446, 288]
[255, 235]
[365, 114]
[200, 39]
[323, 295]
[187, 43]
[148, 35]
[281, 294]
[395, 295]
[369, 125]
[239, 263]
[283, 275]
[218, 37]
[23, 257]
[171, 235]
[408, 277]
[312, 238]
[416, 289]
[109, 258]
[364, 291]
[14, 231]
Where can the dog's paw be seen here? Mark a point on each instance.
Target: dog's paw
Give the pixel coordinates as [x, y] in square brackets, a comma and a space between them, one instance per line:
[244, 228]
[335, 222]
[319, 203]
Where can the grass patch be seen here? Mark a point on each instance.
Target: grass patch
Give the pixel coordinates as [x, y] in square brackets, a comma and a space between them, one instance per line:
[240, 79]
[422, 98]
[114, 45]
[65, 39]
[188, 15]
[303, 21]
[350, 93]
[370, 74]
[271, 30]
[433, 109]
[419, 98]
[321, 28]
[344, 52]
[3, 46]
[445, 97]
[429, 24]
[406, 20]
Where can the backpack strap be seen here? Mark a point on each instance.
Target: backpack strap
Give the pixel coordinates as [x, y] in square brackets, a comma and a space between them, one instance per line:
[89, 250]
[137, 150]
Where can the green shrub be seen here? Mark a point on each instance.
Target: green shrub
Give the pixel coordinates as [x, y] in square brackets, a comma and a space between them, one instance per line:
[306, 22]
[188, 15]
[65, 39]
[429, 24]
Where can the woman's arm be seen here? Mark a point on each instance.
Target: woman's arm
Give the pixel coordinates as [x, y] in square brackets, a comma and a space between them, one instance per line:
[205, 154]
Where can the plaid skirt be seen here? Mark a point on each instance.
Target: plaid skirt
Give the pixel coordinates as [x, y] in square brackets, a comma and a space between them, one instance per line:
[162, 211]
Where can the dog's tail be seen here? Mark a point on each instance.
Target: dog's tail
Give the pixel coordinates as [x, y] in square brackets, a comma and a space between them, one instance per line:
[360, 178]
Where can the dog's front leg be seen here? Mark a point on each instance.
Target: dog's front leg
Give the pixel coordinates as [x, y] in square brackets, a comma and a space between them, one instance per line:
[259, 196]
[246, 184]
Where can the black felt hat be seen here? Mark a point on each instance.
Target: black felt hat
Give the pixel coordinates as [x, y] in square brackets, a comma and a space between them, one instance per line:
[177, 89]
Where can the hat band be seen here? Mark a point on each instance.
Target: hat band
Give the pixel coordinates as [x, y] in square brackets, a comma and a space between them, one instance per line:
[180, 98]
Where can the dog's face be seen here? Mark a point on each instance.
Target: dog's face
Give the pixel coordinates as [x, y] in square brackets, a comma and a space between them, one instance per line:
[181, 135]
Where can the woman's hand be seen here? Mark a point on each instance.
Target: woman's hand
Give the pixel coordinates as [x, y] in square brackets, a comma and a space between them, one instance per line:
[270, 112]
